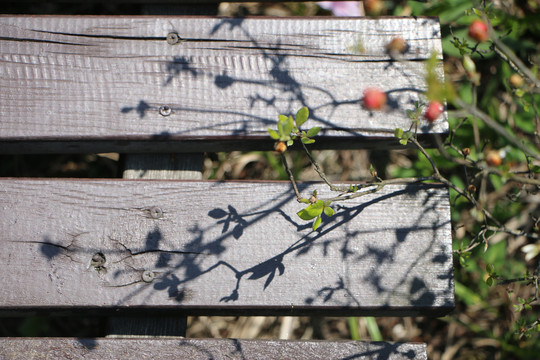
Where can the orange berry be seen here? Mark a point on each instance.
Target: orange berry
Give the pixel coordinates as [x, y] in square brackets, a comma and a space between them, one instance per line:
[397, 46]
[373, 7]
[374, 99]
[493, 158]
[466, 151]
[516, 81]
[280, 147]
[478, 30]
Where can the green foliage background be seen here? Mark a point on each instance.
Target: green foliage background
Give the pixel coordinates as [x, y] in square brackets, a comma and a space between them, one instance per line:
[491, 312]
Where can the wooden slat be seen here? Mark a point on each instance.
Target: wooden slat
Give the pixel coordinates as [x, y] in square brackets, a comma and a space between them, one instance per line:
[222, 248]
[156, 166]
[159, 166]
[103, 349]
[80, 84]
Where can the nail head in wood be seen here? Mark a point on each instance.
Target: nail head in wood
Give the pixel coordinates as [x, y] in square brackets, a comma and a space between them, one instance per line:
[173, 38]
[156, 212]
[165, 110]
[148, 276]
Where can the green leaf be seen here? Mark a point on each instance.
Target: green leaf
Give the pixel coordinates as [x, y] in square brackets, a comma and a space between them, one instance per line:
[316, 223]
[403, 142]
[311, 211]
[316, 209]
[307, 140]
[398, 133]
[288, 125]
[283, 118]
[329, 211]
[535, 169]
[290, 142]
[490, 269]
[489, 281]
[280, 126]
[313, 131]
[305, 215]
[302, 116]
[273, 134]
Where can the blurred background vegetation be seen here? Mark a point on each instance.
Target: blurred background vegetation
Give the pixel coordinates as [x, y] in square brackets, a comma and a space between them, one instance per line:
[490, 322]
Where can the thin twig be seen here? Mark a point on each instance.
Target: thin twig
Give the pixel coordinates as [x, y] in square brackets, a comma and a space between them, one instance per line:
[473, 110]
[319, 171]
[377, 186]
[291, 178]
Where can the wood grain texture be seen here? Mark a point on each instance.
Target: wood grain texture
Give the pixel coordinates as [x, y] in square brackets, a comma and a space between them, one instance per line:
[156, 166]
[79, 84]
[104, 349]
[163, 166]
[222, 248]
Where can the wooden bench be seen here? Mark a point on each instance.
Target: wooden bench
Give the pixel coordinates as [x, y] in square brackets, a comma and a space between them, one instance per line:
[162, 87]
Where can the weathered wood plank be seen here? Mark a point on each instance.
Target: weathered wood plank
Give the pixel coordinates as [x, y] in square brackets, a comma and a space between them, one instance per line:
[156, 166]
[77, 84]
[160, 166]
[103, 349]
[222, 248]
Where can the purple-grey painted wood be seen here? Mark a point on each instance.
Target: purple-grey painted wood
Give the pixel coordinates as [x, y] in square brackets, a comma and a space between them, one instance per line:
[222, 248]
[104, 349]
[81, 84]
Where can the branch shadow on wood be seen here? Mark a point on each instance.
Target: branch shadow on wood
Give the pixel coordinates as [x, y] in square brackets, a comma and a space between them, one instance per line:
[247, 349]
[237, 256]
[277, 87]
[181, 273]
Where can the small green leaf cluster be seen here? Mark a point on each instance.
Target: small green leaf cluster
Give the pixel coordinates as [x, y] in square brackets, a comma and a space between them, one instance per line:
[493, 276]
[315, 209]
[526, 330]
[463, 254]
[288, 129]
[524, 304]
[415, 114]
[403, 136]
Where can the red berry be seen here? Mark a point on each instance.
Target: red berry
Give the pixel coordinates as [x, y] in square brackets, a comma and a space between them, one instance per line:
[433, 111]
[374, 99]
[478, 30]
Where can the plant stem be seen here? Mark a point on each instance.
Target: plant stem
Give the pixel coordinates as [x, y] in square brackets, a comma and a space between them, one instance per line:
[473, 110]
[321, 173]
[291, 178]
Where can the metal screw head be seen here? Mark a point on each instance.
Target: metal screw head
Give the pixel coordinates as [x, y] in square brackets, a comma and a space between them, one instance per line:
[155, 212]
[148, 276]
[173, 38]
[165, 110]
